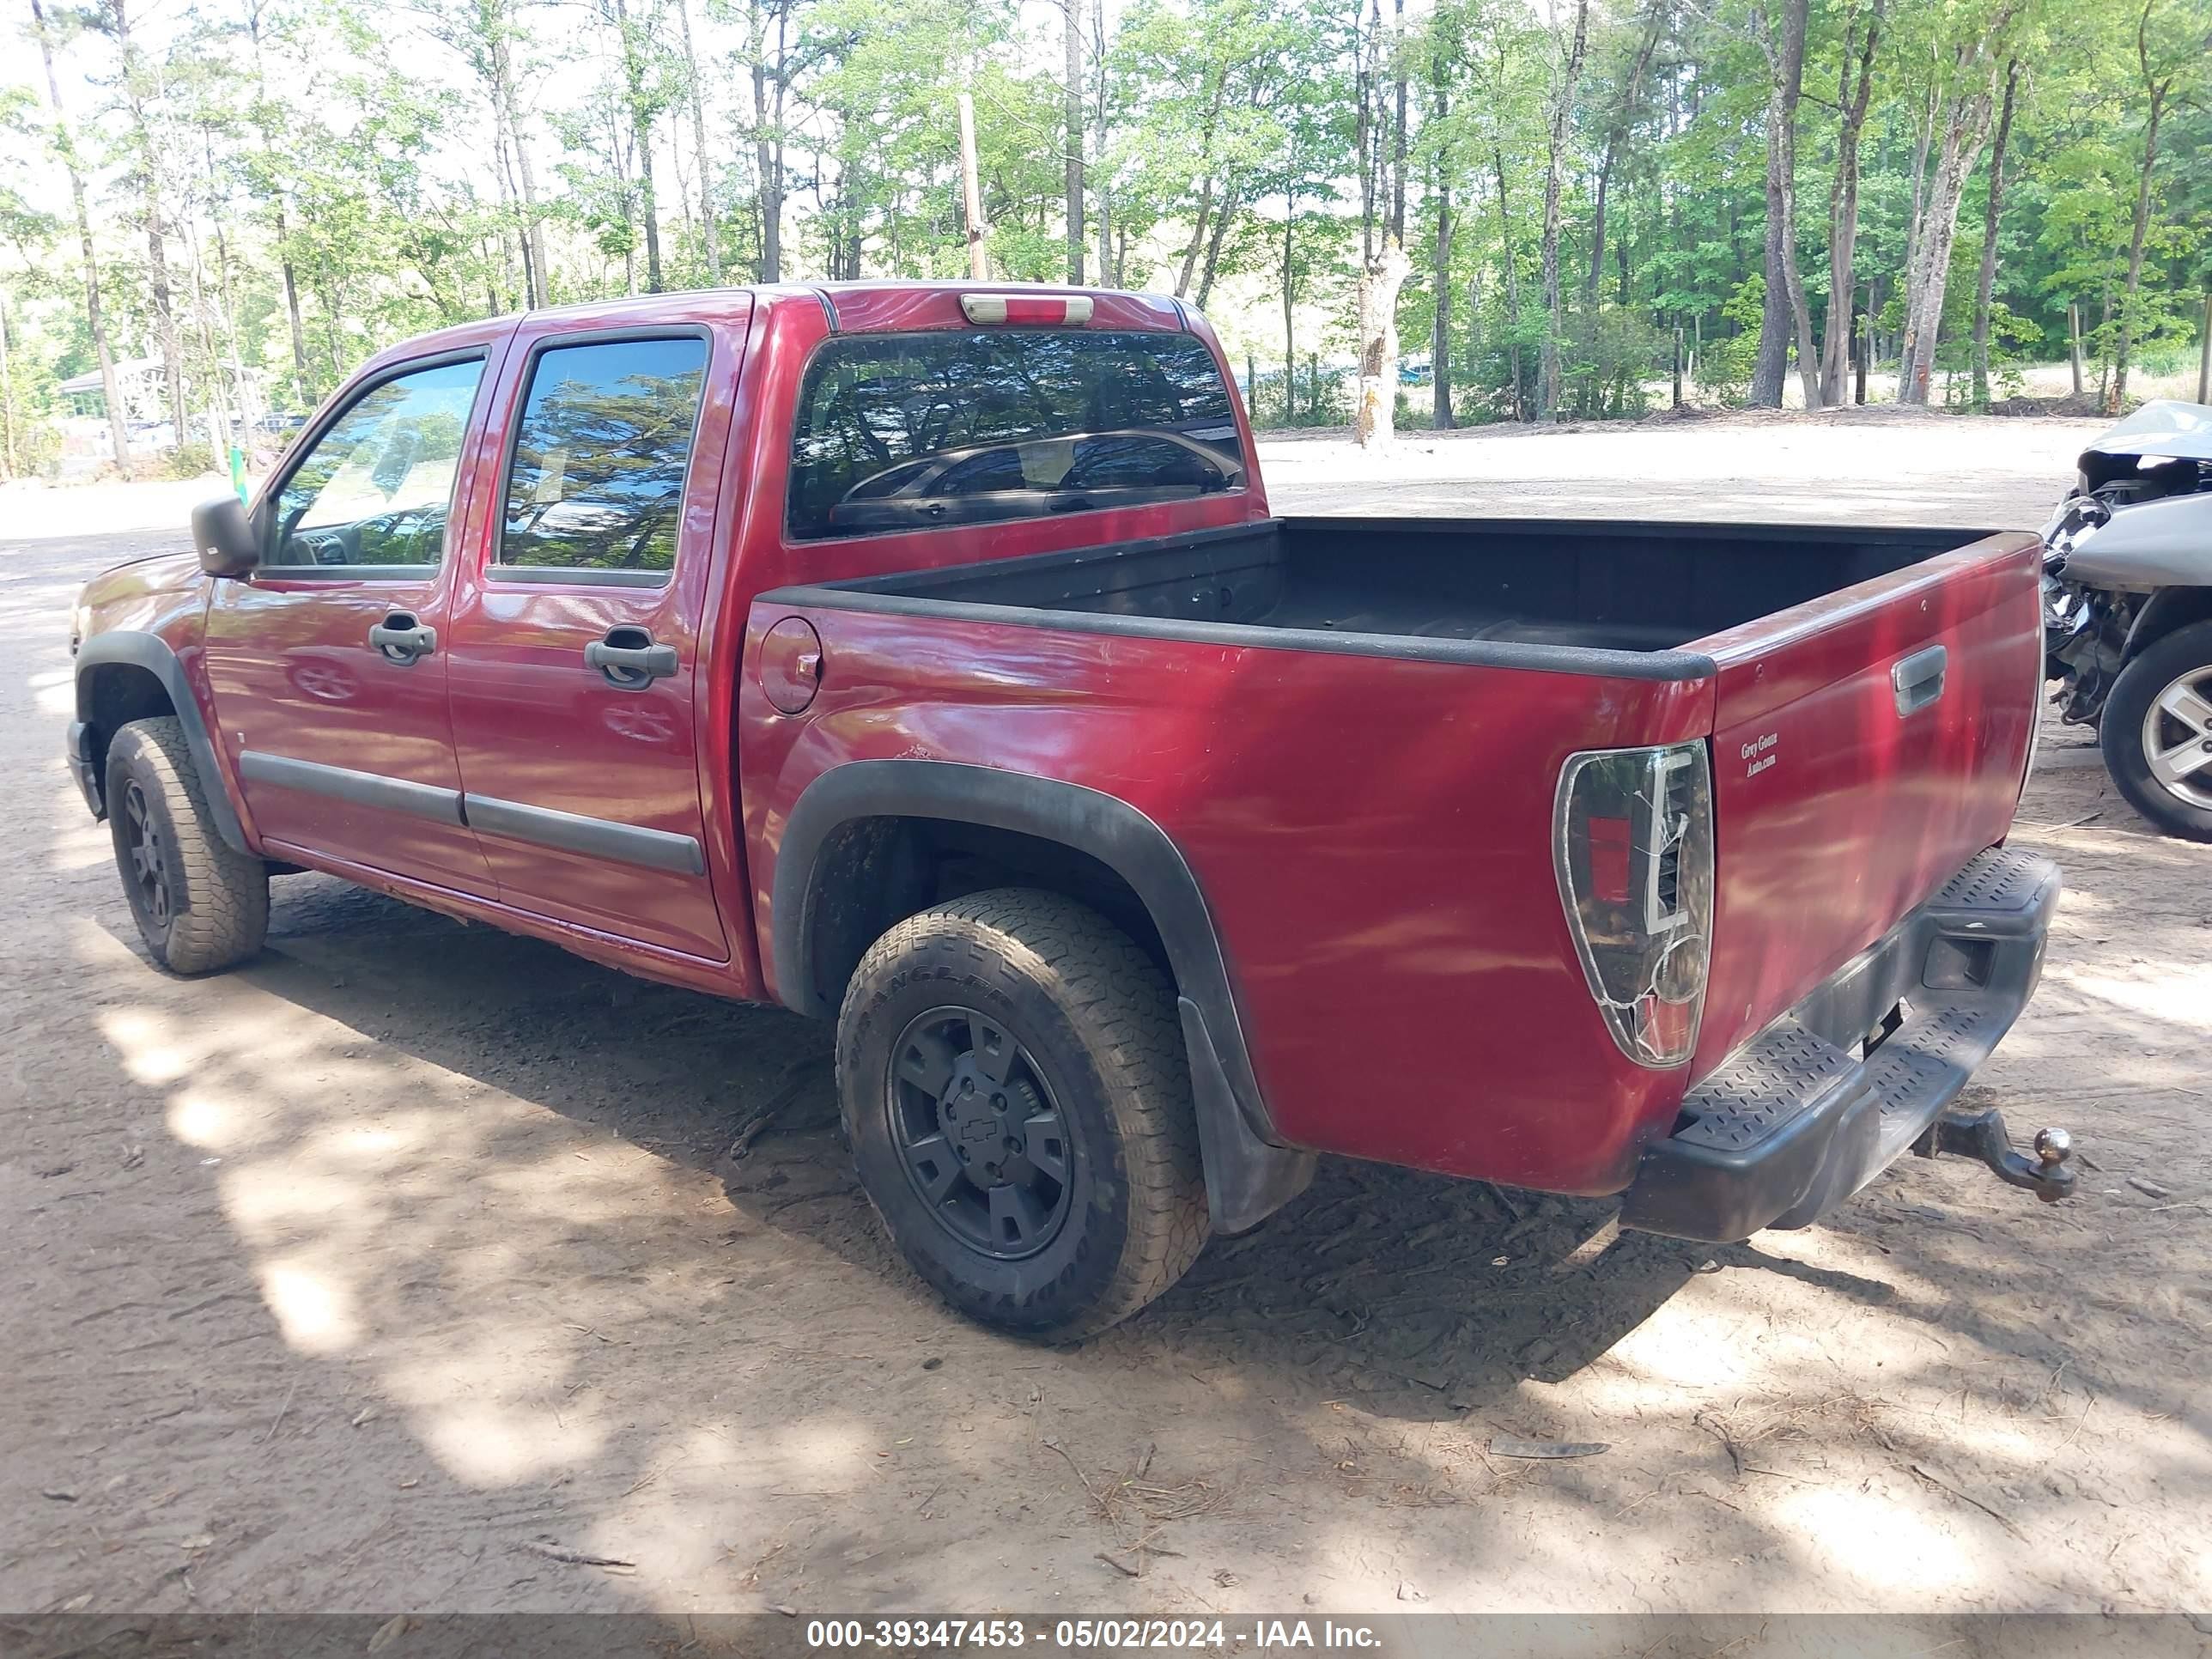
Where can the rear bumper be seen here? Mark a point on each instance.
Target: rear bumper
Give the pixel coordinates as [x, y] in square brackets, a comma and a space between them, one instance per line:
[1796, 1121]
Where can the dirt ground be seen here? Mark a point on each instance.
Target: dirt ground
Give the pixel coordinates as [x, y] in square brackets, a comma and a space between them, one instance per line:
[349, 1280]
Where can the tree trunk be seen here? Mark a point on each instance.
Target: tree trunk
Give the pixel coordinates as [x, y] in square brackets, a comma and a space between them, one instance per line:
[156, 226]
[2117, 396]
[649, 209]
[292, 303]
[768, 137]
[1222, 221]
[1290, 317]
[1098, 145]
[1966, 120]
[1363, 128]
[1785, 288]
[216, 401]
[771, 205]
[118, 428]
[1072, 107]
[1197, 240]
[1614, 139]
[1374, 411]
[283, 225]
[242, 397]
[537, 276]
[1440, 333]
[8, 461]
[503, 176]
[1924, 140]
[640, 131]
[709, 228]
[1512, 285]
[1563, 101]
[1985, 286]
[1398, 128]
[1844, 210]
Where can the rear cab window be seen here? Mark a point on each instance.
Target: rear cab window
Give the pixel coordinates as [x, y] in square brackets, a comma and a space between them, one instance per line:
[901, 432]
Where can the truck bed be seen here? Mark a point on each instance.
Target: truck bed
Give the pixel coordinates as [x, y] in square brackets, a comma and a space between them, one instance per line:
[1403, 587]
[1327, 688]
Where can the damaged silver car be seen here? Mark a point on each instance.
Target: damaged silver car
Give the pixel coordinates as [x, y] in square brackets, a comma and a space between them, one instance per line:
[2128, 610]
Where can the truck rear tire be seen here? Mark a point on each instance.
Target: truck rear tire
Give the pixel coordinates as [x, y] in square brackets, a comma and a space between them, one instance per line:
[2160, 707]
[1014, 1086]
[200, 904]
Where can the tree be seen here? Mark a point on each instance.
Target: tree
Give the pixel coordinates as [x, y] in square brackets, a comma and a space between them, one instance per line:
[2171, 42]
[1985, 283]
[1071, 31]
[96, 312]
[1862, 40]
[767, 57]
[1374, 414]
[1567, 77]
[1624, 109]
[1785, 53]
[489, 36]
[1965, 93]
[710, 211]
[1205, 90]
[263, 190]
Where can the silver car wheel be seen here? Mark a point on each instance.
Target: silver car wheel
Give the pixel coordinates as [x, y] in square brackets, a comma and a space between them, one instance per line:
[2177, 738]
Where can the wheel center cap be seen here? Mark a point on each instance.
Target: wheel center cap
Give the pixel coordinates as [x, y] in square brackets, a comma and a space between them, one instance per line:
[976, 1112]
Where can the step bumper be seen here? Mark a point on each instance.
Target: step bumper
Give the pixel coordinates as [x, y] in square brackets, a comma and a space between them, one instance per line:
[1805, 1114]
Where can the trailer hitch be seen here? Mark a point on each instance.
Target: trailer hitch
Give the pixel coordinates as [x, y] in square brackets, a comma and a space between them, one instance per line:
[2050, 1175]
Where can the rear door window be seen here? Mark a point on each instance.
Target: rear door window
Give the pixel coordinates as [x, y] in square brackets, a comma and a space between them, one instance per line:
[908, 431]
[596, 483]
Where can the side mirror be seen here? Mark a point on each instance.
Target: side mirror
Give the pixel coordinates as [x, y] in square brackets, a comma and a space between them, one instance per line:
[224, 536]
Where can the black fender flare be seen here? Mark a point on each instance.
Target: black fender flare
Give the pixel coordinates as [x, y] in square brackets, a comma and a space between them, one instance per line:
[1249, 1171]
[2165, 612]
[150, 652]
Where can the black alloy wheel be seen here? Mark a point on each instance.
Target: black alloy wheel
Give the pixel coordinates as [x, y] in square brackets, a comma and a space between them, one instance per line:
[149, 860]
[1011, 1079]
[980, 1132]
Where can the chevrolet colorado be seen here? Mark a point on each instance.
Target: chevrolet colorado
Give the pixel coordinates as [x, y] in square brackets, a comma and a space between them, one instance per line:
[926, 659]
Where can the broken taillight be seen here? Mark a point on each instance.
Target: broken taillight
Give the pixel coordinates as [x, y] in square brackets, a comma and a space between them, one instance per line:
[1633, 843]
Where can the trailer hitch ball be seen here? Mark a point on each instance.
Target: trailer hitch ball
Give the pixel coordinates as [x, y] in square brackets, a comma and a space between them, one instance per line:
[2054, 1150]
[2050, 1175]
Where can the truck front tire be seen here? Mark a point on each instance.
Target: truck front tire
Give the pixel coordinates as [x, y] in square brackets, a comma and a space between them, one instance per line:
[200, 904]
[1014, 1086]
[2162, 705]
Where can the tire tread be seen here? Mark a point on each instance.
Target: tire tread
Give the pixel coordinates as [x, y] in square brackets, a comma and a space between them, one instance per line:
[1123, 1010]
[2120, 731]
[224, 908]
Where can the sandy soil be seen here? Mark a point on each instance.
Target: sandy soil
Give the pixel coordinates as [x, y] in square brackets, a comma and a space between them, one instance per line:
[1881, 464]
[343, 1281]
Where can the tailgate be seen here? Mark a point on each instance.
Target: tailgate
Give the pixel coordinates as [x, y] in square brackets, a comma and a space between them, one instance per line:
[1865, 746]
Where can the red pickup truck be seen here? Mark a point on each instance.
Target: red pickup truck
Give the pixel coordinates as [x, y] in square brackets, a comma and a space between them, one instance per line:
[926, 659]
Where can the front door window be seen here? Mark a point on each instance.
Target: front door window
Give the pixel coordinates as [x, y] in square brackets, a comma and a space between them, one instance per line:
[376, 488]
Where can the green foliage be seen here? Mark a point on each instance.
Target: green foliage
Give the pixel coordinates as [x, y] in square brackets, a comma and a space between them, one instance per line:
[323, 177]
[1724, 365]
